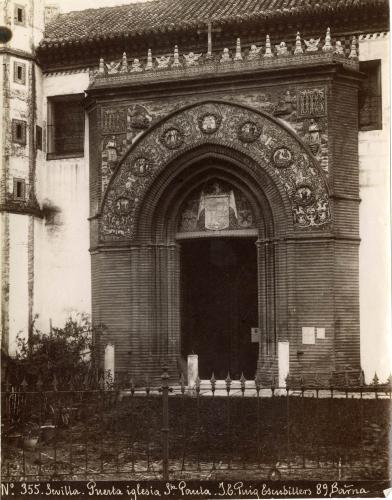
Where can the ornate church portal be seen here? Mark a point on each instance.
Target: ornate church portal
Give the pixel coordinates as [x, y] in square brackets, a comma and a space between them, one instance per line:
[217, 230]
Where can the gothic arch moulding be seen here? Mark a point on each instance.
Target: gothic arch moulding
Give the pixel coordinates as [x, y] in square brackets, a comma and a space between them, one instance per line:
[275, 148]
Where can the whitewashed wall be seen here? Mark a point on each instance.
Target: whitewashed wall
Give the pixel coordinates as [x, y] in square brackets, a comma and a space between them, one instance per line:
[62, 259]
[374, 171]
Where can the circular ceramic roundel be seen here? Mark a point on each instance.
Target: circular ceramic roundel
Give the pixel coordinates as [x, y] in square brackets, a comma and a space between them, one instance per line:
[172, 138]
[209, 123]
[304, 195]
[122, 205]
[141, 167]
[248, 131]
[282, 157]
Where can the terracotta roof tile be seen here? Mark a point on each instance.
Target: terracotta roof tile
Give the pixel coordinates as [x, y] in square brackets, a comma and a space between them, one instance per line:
[165, 15]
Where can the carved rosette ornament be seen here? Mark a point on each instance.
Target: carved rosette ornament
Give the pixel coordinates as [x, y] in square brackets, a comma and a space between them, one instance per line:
[123, 205]
[304, 195]
[209, 122]
[282, 157]
[274, 150]
[172, 138]
[248, 132]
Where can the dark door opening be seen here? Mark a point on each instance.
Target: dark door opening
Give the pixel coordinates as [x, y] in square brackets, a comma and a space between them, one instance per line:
[219, 305]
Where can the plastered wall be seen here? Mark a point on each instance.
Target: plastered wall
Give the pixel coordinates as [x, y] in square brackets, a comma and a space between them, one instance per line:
[374, 176]
[62, 261]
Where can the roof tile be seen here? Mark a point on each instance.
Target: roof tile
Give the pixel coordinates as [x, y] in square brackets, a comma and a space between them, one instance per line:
[162, 15]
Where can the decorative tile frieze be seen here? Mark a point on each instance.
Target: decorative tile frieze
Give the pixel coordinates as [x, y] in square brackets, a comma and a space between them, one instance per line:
[311, 103]
[113, 120]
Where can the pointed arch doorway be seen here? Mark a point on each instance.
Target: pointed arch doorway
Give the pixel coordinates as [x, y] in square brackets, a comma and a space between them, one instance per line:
[217, 236]
[219, 305]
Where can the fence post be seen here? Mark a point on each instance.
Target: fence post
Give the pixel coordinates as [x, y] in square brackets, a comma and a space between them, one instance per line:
[165, 422]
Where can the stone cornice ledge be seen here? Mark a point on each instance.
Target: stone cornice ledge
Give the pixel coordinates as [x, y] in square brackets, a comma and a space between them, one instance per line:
[215, 68]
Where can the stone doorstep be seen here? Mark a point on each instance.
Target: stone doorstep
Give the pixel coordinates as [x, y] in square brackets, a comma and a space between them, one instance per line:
[250, 391]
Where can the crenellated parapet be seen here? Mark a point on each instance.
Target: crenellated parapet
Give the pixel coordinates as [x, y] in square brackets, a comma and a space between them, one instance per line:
[189, 65]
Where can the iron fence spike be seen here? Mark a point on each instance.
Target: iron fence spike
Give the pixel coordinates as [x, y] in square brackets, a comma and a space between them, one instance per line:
[213, 382]
[39, 383]
[389, 380]
[258, 381]
[346, 379]
[375, 380]
[228, 382]
[182, 382]
[197, 383]
[361, 379]
[24, 384]
[132, 385]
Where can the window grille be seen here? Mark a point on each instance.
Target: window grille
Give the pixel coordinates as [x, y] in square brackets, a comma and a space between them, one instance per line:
[370, 102]
[65, 127]
[19, 189]
[20, 73]
[19, 132]
[20, 15]
[38, 137]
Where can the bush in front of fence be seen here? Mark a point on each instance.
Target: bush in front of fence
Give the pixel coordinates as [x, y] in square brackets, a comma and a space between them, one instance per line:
[63, 354]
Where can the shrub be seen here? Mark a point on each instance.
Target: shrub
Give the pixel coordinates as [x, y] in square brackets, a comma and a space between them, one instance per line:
[64, 354]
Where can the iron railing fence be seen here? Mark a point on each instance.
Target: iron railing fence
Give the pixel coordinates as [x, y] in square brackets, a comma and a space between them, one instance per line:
[216, 429]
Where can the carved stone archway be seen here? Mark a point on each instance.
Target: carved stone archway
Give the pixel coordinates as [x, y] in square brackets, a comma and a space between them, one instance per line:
[137, 221]
[275, 149]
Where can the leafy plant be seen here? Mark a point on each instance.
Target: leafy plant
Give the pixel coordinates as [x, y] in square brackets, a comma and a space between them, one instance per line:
[62, 355]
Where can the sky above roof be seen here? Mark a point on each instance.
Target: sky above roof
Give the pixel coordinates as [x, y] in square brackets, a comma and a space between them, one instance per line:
[70, 5]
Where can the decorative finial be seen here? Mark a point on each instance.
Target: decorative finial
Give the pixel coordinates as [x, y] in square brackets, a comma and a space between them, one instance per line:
[101, 70]
[225, 56]
[353, 51]
[281, 49]
[192, 59]
[327, 47]
[176, 62]
[298, 45]
[238, 55]
[149, 65]
[339, 48]
[312, 44]
[254, 53]
[136, 66]
[163, 62]
[124, 63]
[268, 51]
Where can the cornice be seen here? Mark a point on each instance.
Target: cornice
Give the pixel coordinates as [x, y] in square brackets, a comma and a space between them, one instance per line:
[21, 54]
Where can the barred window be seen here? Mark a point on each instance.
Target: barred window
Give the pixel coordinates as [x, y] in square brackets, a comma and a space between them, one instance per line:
[19, 132]
[20, 15]
[65, 126]
[370, 102]
[19, 72]
[38, 137]
[19, 189]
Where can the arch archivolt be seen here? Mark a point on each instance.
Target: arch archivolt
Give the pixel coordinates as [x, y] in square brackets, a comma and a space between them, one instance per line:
[258, 138]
